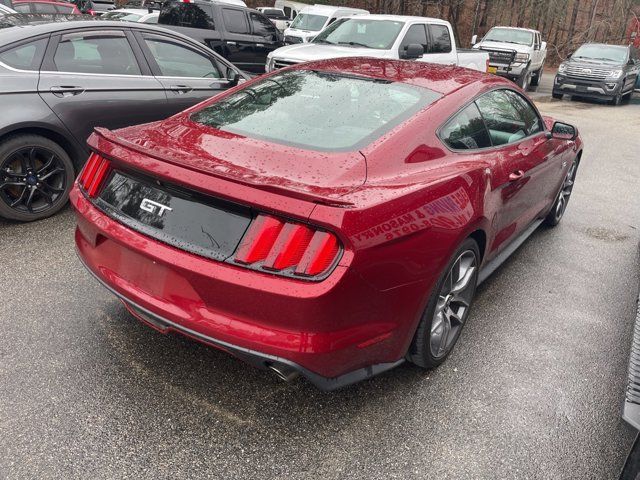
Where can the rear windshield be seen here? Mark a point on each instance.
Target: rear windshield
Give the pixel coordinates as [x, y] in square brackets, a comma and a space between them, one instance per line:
[124, 16]
[316, 110]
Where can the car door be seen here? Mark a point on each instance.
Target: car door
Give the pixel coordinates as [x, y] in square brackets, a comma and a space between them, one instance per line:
[240, 45]
[266, 36]
[95, 77]
[525, 161]
[188, 74]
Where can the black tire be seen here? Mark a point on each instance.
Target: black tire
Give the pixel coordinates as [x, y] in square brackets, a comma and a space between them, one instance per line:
[535, 80]
[562, 199]
[627, 97]
[36, 175]
[524, 80]
[421, 350]
[557, 96]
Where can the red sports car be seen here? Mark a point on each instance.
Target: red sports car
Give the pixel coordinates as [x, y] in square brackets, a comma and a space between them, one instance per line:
[330, 219]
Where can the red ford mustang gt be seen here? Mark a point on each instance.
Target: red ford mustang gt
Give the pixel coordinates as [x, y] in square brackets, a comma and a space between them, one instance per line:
[330, 219]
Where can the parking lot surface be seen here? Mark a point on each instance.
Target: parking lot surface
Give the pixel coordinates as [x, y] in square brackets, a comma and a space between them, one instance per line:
[533, 389]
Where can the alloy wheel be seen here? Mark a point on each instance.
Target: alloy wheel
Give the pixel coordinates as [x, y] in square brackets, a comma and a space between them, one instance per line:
[453, 303]
[32, 178]
[565, 192]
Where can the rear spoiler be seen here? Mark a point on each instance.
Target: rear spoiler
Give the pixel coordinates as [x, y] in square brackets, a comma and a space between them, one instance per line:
[307, 196]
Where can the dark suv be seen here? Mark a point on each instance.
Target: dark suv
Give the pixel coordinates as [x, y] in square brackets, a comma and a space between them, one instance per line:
[241, 35]
[598, 70]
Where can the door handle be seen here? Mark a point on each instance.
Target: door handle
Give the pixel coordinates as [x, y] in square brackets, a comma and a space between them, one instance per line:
[66, 90]
[180, 89]
[517, 175]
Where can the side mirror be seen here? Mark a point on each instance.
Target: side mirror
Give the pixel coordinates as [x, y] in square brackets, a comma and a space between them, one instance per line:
[543, 45]
[569, 55]
[474, 39]
[233, 77]
[412, 51]
[563, 131]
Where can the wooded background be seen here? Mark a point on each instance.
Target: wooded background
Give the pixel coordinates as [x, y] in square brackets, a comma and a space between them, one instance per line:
[564, 24]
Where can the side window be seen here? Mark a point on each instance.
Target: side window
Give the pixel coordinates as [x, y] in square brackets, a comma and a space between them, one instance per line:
[287, 11]
[27, 56]
[103, 52]
[416, 34]
[466, 131]
[178, 61]
[507, 116]
[22, 8]
[262, 26]
[187, 15]
[235, 20]
[440, 39]
[44, 8]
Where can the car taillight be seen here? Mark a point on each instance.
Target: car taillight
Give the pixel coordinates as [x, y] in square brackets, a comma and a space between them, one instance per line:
[288, 248]
[93, 174]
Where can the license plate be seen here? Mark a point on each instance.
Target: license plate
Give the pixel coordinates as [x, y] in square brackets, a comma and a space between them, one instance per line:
[492, 69]
[184, 219]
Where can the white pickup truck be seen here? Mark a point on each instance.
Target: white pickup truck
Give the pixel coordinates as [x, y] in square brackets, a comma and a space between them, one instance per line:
[515, 53]
[382, 36]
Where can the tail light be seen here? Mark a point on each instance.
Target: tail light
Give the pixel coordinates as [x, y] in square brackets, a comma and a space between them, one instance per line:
[93, 174]
[287, 248]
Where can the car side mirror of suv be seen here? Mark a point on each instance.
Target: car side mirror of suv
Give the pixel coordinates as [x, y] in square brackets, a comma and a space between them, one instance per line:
[233, 77]
[474, 40]
[563, 131]
[412, 51]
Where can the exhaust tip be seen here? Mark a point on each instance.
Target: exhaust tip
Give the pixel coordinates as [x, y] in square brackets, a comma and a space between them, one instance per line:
[284, 372]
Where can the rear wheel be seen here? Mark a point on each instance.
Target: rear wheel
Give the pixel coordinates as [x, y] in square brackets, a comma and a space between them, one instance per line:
[36, 175]
[560, 206]
[448, 308]
[557, 96]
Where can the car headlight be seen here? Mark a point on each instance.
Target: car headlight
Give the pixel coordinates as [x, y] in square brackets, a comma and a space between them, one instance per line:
[562, 68]
[522, 57]
[615, 74]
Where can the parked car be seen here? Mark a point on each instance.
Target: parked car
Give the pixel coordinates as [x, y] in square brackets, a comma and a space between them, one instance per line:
[276, 15]
[290, 8]
[515, 53]
[598, 70]
[133, 15]
[383, 36]
[94, 7]
[313, 19]
[241, 35]
[331, 219]
[4, 10]
[59, 80]
[45, 7]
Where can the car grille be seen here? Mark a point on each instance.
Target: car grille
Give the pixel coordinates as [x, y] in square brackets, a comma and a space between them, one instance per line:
[292, 39]
[501, 56]
[282, 63]
[586, 72]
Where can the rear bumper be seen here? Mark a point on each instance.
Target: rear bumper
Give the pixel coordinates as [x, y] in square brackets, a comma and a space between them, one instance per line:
[334, 332]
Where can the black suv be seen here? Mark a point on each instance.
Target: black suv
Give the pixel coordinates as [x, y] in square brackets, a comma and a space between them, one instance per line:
[598, 70]
[241, 35]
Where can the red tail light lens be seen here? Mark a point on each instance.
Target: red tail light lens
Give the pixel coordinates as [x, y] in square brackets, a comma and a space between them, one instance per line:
[287, 248]
[93, 174]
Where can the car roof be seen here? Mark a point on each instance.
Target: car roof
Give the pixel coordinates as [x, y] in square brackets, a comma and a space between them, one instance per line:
[17, 27]
[402, 18]
[444, 79]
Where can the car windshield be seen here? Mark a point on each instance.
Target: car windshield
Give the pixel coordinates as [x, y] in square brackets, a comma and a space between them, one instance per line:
[306, 21]
[359, 32]
[316, 110]
[126, 16]
[610, 53]
[273, 12]
[510, 35]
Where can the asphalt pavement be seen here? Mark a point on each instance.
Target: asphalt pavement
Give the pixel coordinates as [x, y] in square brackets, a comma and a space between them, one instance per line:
[533, 390]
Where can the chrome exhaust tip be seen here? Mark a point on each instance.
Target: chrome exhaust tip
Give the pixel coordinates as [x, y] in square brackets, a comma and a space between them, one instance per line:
[284, 372]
